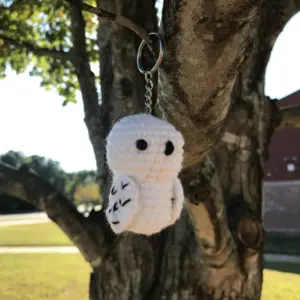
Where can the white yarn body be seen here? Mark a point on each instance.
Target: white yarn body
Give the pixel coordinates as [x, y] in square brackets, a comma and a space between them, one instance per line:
[157, 210]
[146, 194]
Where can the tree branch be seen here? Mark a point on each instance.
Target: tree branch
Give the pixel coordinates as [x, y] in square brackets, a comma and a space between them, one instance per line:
[227, 219]
[113, 17]
[31, 188]
[239, 157]
[39, 51]
[199, 40]
[87, 81]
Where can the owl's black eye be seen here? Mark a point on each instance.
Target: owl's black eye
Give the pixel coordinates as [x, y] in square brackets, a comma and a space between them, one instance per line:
[169, 148]
[141, 145]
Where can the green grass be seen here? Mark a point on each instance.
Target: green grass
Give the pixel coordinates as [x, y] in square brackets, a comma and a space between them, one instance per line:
[49, 234]
[43, 234]
[280, 286]
[43, 277]
[66, 277]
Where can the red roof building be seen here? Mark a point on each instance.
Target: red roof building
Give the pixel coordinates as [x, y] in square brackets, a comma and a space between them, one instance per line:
[284, 160]
[282, 177]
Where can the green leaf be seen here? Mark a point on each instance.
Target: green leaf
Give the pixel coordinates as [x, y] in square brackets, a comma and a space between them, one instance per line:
[43, 24]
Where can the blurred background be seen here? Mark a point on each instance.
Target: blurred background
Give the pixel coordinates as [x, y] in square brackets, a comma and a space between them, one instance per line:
[52, 141]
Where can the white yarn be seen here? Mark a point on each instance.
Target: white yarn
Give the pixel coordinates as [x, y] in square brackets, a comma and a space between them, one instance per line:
[146, 194]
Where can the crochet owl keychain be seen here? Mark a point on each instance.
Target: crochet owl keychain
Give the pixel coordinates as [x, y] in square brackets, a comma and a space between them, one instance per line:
[145, 155]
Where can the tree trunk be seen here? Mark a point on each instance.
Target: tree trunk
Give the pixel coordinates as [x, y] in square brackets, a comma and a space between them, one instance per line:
[211, 87]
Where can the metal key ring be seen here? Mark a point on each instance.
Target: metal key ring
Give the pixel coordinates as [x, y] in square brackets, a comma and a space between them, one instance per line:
[159, 59]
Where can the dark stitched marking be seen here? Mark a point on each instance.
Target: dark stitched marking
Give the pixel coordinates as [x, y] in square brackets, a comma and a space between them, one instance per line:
[115, 207]
[109, 211]
[115, 222]
[169, 148]
[125, 202]
[173, 199]
[113, 191]
[124, 185]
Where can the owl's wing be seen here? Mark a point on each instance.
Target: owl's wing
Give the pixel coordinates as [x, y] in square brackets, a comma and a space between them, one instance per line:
[177, 200]
[123, 204]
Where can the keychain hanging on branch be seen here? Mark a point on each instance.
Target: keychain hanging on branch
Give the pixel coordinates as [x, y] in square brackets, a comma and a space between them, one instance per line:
[145, 155]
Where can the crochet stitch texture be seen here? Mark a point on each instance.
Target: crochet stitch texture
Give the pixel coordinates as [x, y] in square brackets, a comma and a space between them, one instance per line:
[145, 155]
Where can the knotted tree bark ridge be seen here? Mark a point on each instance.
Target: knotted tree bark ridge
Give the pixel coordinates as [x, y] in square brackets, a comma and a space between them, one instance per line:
[211, 87]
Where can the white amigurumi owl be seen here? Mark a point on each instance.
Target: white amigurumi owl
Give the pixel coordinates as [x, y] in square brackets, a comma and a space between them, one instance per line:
[145, 155]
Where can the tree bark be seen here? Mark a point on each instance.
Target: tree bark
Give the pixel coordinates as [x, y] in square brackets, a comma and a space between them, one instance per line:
[215, 250]
[211, 87]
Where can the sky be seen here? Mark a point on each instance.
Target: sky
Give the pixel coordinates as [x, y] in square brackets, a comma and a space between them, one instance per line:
[33, 120]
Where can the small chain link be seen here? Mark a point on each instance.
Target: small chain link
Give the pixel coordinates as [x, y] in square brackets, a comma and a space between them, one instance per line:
[148, 93]
[148, 74]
